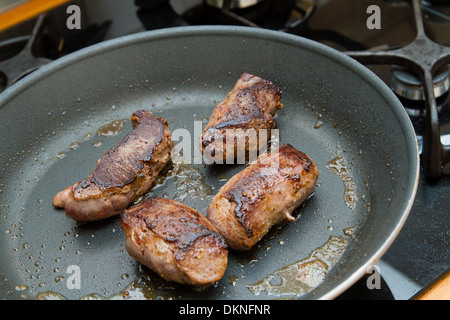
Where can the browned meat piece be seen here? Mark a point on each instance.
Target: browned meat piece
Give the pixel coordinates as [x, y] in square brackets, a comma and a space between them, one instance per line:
[250, 105]
[123, 174]
[262, 195]
[175, 241]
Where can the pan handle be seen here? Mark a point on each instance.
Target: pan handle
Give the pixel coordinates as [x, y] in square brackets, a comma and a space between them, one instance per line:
[439, 289]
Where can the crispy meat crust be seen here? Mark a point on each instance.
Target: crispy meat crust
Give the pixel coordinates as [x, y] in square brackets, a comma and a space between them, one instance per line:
[262, 195]
[123, 174]
[175, 241]
[250, 105]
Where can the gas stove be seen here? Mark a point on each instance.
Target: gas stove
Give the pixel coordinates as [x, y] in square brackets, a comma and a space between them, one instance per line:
[405, 43]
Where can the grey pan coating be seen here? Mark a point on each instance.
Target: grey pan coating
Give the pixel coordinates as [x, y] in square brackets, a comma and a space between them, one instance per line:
[334, 107]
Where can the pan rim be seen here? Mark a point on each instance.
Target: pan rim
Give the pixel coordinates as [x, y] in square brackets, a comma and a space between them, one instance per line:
[275, 36]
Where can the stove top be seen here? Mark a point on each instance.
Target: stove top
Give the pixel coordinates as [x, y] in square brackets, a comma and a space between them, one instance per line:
[406, 43]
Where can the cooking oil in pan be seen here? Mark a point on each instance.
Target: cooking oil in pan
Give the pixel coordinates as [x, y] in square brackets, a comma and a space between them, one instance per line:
[188, 180]
[301, 277]
[112, 128]
[338, 166]
[145, 287]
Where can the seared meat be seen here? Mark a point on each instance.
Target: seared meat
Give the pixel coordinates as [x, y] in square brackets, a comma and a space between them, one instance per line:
[262, 195]
[175, 241]
[249, 107]
[123, 174]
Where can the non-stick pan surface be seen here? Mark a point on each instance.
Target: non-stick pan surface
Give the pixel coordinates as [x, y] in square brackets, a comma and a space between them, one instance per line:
[53, 131]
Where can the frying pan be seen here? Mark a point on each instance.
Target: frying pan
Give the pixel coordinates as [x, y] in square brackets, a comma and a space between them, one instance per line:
[53, 131]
